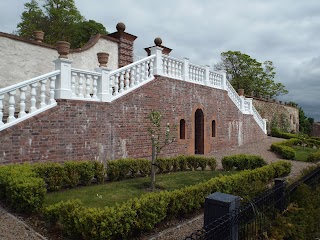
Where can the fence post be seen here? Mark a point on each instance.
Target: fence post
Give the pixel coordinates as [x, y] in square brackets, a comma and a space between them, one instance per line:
[157, 66]
[279, 194]
[104, 87]
[217, 205]
[63, 82]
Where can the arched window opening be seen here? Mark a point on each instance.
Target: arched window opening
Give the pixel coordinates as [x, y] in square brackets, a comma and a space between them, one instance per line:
[213, 128]
[182, 129]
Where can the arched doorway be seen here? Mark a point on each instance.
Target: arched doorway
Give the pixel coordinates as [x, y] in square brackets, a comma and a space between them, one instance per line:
[199, 132]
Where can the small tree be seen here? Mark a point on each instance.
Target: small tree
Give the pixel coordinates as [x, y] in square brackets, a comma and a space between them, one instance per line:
[158, 140]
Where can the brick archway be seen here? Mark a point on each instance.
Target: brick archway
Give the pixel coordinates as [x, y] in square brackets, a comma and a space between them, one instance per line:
[199, 132]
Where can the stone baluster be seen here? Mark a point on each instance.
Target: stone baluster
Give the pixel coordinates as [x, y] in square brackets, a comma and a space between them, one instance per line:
[169, 67]
[206, 75]
[88, 84]
[180, 70]
[11, 106]
[127, 82]
[185, 69]
[95, 89]
[80, 93]
[151, 68]
[43, 93]
[165, 66]
[137, 80]
[132, 76]
[142, 72]
[33, 99]
[147, 70]
[22, 102]
[52, 87]
[121, 82]
[1, 109]
[73, 84]
[116, 84]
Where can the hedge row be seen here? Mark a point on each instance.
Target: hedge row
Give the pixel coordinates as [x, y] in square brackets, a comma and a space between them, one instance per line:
[142, 214]
[21, 188]
[314, 157]
[275, 132]
[284, 149]
[242, 162]
[69, 174]
[122, 168]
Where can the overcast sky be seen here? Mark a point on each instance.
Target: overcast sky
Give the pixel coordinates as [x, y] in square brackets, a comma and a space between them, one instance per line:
[286, 32]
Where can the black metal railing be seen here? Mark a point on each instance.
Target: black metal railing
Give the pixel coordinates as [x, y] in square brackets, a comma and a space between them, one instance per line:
[253, 219]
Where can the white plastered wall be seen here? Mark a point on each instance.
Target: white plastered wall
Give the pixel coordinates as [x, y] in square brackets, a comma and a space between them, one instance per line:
[21, 61]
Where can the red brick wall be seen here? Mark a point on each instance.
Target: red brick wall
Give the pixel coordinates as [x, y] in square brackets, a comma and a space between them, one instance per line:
[315, 129]
[76, 130]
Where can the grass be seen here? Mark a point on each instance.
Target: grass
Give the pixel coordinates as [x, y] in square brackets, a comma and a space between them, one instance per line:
[302, 153]
[117, 192]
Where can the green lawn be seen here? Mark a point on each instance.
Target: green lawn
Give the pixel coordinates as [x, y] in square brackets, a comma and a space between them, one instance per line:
[303, 153]
[117, 192]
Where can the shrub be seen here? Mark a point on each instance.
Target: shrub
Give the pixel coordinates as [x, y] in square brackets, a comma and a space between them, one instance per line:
[86, 172]
[143, 213]
[72, 176]
[283, 148]
[212, 163]
[314, 157]
[21, 188]
[242, 161]
[99, 171]
[277, 133]
[51, 173]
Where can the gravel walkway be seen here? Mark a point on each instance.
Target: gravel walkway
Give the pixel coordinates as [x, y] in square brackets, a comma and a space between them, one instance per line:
[13, 228]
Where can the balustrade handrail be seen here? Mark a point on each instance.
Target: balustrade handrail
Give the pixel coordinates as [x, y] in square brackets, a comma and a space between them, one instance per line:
[81, 71]
[28, 82]
[197, 66]
[172, 58]
[132, 65]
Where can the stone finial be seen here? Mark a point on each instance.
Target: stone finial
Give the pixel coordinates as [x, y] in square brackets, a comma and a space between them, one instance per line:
[38, 36]
[63, 49]
[103, 58]
[121, 27]
[241, 92]
[158, 41]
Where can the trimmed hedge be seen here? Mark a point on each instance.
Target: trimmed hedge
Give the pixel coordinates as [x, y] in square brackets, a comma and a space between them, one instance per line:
[284, 148]
[142, 214]
[314, 157]
[21, 188]
[126, 167]
[242, 162]
[277, 133]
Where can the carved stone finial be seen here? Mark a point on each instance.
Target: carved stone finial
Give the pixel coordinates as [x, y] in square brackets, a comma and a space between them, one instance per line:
[121, 27]
[158, 41]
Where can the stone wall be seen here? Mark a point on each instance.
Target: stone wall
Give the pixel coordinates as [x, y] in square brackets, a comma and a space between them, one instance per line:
[76, 130]
[315, 130]
[283, 116]
[22, 59]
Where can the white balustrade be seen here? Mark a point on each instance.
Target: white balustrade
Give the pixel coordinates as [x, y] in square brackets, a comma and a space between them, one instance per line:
[233, 95]
[197, 74]
[128, 78]
[172, 67]
[216, 79]
[84, 84]
[26, 99]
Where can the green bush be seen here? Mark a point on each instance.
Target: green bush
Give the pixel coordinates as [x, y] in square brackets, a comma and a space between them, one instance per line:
[277, 133]
[314, 157]
[86, 172]
[51, 173]
[21, 188]
[99, 172]
[283, 148]
[72, 176]
[142, 214]
[242, 161]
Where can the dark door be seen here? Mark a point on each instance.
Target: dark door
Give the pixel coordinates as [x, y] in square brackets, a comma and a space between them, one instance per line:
[199, 132]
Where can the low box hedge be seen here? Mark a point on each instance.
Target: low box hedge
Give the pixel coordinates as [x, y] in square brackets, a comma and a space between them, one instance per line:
[284, 149]
[142, 214]
[314, 157]
[242, 162]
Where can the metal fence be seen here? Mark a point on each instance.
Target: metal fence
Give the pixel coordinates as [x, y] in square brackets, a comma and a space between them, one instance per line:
[253, 219]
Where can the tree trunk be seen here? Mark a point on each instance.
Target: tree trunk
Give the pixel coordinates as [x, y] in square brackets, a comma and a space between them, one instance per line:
[153, 170]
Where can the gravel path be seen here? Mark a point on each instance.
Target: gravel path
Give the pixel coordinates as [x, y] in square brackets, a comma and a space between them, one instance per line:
[13, 228]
